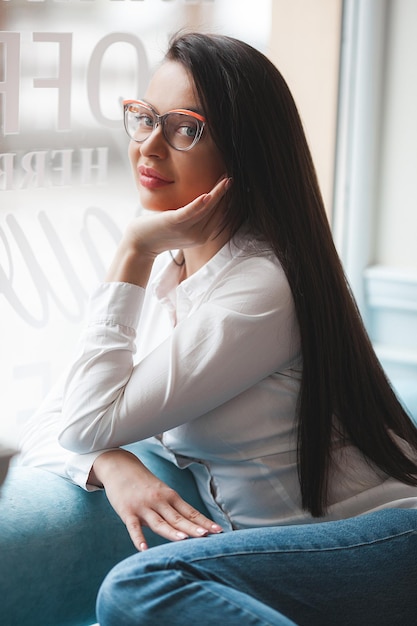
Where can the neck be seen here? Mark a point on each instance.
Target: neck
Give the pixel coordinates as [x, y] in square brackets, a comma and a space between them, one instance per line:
[198, 256]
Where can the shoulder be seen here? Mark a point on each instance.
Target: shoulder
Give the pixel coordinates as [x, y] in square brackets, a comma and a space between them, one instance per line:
[254, 276]
[256, 261]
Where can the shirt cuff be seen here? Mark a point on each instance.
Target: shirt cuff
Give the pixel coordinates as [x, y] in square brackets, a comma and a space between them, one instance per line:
[116, 303]
[78, 468]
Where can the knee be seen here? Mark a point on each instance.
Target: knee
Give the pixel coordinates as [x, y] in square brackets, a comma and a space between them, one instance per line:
[109, 606]
[119, 596]
[129, 593]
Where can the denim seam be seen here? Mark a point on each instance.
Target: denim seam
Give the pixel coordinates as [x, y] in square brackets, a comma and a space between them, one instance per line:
[271, 551]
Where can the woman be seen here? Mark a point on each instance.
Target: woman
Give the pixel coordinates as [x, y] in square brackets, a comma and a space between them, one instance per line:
[253, 368]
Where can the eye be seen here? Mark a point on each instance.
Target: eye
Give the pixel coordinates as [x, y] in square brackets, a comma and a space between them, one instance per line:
[142, 118]
[187, 129]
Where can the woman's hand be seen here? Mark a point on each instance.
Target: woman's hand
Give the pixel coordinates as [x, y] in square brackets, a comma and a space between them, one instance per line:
[191, 225]
[141, 499]
[154, 232]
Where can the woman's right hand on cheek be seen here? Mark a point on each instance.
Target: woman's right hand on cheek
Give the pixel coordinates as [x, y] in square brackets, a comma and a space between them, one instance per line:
[152, 233]
[184, 227]
[141, 499]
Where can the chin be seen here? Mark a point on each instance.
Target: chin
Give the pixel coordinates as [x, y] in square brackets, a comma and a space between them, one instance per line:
[153, 201]
[155, 207]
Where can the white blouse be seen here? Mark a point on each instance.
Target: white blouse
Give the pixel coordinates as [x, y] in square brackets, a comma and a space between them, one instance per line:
[209, 367]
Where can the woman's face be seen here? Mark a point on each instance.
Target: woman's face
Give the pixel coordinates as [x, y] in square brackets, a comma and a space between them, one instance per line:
[169, 178]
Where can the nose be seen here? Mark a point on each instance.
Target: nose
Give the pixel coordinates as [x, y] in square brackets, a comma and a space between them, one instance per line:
[155, 144]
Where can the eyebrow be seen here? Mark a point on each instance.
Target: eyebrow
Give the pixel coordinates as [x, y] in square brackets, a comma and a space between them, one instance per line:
[193, 109]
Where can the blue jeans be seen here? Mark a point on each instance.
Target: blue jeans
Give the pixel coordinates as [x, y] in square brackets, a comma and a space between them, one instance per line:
[360, 571]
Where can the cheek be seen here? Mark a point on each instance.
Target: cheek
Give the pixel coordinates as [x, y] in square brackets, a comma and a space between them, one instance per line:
[203, 174]
[195, 182]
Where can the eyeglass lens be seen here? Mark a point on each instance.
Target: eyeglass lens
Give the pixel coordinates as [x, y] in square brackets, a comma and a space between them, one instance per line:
[180, 130]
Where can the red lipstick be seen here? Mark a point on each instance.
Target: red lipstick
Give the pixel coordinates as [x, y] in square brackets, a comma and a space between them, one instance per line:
[152, 179]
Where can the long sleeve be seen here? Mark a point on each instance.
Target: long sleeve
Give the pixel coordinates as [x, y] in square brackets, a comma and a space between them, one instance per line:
[236, 333]
[39, 445]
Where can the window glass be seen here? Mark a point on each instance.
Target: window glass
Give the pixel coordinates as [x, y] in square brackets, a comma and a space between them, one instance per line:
[65, 186]
[375, 192]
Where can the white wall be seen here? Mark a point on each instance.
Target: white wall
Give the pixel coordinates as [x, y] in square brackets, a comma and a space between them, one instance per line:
[376, 191]
[305, 46]
[396, 226]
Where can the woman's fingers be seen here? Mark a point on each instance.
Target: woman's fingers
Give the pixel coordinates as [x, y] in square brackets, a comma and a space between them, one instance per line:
[166, 509]
[174, 522]
[168, 522]
[184, 517]
[134, 528]
[177, 529]
[205, 203]
[200, 220]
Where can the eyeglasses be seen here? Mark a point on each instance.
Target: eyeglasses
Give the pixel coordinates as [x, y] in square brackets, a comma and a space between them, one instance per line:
[181, 128]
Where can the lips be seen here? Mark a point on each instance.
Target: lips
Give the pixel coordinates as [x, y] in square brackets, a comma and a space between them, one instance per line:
[152, 179]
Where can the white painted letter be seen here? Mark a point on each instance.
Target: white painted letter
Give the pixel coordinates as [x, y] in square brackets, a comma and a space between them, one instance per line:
[94, 70]
[63, 80]
[9, 87]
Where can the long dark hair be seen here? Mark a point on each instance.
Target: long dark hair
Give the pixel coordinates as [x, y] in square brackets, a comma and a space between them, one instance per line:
[254, 121]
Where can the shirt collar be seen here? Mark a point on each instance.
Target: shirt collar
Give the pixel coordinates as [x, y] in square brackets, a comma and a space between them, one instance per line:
[166, 283]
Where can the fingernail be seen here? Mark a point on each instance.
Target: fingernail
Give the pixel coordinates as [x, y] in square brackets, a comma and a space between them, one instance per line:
[143, 546]
[202, 531]
[181, 535]
[229, 183]
[217, 528]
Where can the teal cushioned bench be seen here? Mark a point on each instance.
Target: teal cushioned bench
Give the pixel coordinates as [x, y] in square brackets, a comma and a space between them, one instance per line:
[57, 543]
